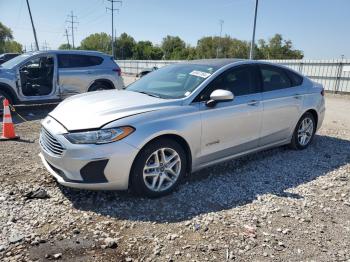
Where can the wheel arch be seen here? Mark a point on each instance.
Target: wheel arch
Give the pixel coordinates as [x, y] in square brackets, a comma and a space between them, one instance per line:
[179, 139]
[314, 113]
[104, 81]
[9, 91]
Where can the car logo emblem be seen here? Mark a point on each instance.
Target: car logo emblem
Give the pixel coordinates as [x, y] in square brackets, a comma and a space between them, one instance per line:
[48, 122]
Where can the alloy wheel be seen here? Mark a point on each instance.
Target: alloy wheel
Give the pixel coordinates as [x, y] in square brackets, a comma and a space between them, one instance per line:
[162, 169]
[305, 131]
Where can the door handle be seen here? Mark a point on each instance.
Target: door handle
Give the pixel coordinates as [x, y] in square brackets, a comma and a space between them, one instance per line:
[253, 103]
[297, 96]
[89, 72]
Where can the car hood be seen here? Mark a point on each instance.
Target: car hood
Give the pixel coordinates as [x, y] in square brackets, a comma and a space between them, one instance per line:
[96, 109]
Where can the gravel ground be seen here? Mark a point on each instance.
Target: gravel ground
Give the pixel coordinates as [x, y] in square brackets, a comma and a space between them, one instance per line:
[276, 205]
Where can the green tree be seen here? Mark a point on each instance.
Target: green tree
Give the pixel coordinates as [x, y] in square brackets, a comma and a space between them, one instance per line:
[11, 46]
[5, 33]
[278, 48]
[238, 49]
[98, 42]
[146, 50]
[7, 44]
[222, 47]
[174, 48]
[157, 53]
[64, 47]
[124, 46]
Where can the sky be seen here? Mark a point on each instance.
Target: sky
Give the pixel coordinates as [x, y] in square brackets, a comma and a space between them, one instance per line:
[321, 28]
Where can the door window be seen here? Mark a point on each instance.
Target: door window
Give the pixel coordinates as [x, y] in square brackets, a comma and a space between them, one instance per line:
[274, 78]
[72, 61]
[241, 80]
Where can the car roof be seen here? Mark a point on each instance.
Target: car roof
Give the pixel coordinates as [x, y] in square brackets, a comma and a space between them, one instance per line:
[78, 52]
[217, 62]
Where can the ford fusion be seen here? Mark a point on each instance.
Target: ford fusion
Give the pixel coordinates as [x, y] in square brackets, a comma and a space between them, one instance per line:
[176, 120]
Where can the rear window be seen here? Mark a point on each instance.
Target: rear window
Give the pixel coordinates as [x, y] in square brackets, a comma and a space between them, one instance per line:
[71, 61]
[296, 79]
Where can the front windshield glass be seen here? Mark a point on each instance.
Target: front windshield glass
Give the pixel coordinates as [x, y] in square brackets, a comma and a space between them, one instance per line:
[14, 61]
[173, 81]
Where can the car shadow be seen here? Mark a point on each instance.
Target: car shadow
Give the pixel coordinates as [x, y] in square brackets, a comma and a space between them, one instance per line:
[223, 186]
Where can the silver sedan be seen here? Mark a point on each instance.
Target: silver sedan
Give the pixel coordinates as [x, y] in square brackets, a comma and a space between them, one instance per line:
[177, 120]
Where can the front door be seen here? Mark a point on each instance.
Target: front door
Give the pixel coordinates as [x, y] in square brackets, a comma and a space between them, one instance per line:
[231, 127]
[37, 78]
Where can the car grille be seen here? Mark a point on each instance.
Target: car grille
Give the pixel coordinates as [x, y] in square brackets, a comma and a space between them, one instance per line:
[50, 144]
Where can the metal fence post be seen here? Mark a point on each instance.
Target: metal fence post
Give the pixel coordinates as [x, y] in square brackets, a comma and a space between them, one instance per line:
[337, 81]
[301, 67]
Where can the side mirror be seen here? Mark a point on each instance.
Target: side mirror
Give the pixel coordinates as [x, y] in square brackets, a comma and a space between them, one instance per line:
[219, 95]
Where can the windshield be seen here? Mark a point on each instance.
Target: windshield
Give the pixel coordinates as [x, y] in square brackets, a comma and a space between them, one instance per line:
[173, 81]
[14, 61]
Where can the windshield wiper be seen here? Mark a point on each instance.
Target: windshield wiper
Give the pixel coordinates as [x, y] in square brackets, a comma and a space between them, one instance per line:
[149, 94]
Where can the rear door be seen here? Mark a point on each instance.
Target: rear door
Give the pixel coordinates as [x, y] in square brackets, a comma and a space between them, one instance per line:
[76, 73]
[282, 103]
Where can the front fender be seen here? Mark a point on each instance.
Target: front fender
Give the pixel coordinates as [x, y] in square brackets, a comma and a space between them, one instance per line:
[182, 121]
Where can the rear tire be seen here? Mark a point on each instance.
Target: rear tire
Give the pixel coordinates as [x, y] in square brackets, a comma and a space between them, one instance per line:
[304, 132]
[99, 86]
[158, 168]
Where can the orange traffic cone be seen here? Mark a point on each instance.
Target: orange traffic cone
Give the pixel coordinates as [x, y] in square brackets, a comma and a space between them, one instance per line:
[8, 129]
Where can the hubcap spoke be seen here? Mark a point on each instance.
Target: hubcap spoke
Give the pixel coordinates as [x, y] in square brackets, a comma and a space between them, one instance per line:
[172, 164]
[161, 180]
[154, 181]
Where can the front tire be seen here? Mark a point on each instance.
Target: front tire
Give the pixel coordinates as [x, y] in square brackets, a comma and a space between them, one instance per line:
[304, 132]
[158, 168]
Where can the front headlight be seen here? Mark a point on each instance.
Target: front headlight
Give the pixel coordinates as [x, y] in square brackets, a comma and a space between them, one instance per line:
[102, 136]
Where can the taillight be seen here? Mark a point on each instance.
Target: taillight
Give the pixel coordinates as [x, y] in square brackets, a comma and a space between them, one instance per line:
[322, 92]
[118, 70]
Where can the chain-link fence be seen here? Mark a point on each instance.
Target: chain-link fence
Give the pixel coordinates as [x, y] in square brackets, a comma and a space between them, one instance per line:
[333, 74]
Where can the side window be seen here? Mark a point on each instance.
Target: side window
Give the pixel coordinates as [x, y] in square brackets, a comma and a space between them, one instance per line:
[239, 80]
[72, 61]
[274, 78]
[297, 80]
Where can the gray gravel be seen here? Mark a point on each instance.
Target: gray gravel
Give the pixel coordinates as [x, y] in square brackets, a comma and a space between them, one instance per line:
[276, 205]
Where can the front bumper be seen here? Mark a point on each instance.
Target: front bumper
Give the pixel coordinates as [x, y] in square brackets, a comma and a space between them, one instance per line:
[96, 167]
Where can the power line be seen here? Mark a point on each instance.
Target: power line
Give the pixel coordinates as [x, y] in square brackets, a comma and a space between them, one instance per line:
[31, 19]
[113, 9]
[72, 22]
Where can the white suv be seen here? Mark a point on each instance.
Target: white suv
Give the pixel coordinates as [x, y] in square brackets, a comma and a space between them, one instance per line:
[48, 76]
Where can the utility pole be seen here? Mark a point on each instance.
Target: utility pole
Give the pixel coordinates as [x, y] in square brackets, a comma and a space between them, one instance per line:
[72, 22]
[112, 9]
[67, 36]
[34, 32]
[45, 46]
[219, 47]
[252, 44]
